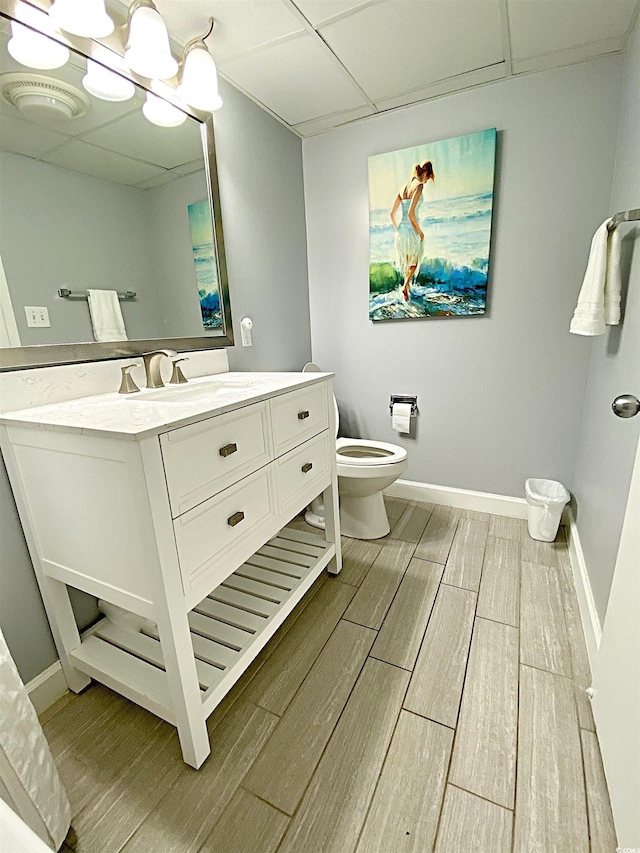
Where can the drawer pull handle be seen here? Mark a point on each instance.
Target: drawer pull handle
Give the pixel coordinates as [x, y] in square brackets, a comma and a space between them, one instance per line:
[303, 415]
[234, 519]
[307, 467]
[228, 449]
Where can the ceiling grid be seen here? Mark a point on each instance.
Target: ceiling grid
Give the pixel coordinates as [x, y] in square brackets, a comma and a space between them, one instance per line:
[318, 64]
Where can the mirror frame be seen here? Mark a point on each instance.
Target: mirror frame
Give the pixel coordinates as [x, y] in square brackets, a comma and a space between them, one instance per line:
[48, 355]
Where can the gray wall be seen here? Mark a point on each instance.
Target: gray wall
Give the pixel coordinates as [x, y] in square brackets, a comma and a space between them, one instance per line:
[608, 444]
[500, 396]
[60, 228]
[172, 259]
[260, 170]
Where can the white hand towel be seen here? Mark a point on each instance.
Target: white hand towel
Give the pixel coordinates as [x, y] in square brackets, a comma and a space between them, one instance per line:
[106, 316]
[599, 301]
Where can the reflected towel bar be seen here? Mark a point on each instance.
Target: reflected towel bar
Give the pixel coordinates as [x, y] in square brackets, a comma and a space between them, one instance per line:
[625, 216]
[82, 294]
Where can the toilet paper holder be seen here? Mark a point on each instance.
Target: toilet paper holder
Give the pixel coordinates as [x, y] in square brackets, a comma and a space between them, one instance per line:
[404, 398]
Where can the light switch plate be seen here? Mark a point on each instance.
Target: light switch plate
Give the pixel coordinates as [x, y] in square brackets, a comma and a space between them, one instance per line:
[37, 317]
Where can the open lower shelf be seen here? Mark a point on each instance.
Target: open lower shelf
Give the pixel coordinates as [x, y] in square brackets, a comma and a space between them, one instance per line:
[228, 628]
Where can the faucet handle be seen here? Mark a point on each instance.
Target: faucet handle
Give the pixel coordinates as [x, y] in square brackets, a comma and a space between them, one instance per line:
[128, 385]
[177, 376]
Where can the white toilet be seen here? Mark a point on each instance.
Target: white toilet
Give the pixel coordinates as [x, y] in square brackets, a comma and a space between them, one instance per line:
[365, 468]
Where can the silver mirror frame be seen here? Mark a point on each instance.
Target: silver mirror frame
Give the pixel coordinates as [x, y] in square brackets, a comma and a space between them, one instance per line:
[47, 355]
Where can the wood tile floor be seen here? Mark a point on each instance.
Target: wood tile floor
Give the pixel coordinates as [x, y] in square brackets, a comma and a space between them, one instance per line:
[431, 698]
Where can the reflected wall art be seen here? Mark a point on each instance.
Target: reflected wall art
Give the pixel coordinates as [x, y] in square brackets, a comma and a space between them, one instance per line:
[204, 261]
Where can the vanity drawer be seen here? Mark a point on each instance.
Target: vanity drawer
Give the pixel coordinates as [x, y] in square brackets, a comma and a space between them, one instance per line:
[212, 538]
[202, 459]
[298, 415]
[302, 473]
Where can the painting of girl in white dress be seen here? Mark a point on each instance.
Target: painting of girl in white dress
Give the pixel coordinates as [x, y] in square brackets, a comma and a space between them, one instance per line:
[430, 213]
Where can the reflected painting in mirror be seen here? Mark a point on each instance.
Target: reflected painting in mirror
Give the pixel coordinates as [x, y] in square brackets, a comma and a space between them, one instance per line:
[94, 196]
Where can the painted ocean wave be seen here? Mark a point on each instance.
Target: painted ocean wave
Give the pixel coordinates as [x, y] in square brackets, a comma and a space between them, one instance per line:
[432, 220]
[442, 211]
[204, 260]
[439, 289]
[458, 229]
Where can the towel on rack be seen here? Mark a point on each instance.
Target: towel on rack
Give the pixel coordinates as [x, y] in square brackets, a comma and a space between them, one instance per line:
[106, 316]
[599, 301]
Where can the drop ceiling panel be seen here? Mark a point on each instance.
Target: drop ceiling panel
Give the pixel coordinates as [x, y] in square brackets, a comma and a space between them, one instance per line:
[22, 137]
[241, 25]
[80, 157]
[72, 73]
[318, 125]
[196, 165]
[545, 26]
[136, 137]
[171, 175]
[297, 79]
[317, 11]
[445, 87]
[162, 180]
[396, 47]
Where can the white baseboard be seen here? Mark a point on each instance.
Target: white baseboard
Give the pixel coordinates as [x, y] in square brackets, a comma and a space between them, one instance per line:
[515, 508]
[462, 498]
[45, 689]
[588, 611]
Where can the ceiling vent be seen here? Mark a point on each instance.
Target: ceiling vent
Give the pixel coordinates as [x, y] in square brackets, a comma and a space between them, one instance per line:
[43, 99]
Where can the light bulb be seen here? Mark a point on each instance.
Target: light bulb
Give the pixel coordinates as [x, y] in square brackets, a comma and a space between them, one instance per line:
[87, 18]
[148, 51]
[161, 112]
[102, 82]
[199, 85]
[35, 49]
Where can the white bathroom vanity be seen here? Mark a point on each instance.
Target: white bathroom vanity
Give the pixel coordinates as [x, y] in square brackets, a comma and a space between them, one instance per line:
[174, 505]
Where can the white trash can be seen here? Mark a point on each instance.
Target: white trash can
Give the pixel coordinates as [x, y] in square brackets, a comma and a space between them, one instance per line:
[545, 501]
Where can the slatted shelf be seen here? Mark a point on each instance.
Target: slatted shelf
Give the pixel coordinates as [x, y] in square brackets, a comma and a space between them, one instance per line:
[243, 601]
[228, 627]
[268, 576]
[260, 560]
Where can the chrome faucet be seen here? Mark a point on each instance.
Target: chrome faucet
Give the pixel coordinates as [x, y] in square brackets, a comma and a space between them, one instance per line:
[152, 361]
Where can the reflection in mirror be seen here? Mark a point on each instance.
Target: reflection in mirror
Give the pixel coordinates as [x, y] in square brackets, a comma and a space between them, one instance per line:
[94, 196]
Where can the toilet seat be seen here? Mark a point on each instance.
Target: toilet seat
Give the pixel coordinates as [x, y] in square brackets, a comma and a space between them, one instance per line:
[359, 452]
[365, 469]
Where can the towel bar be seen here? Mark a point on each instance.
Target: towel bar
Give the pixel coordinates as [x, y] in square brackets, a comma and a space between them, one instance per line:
[65, 293]
[632, 215]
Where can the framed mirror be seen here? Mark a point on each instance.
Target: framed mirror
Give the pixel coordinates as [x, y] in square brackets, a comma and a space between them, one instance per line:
[99, 194]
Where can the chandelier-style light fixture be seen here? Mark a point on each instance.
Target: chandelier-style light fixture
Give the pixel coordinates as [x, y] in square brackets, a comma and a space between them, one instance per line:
[199, 79]
[86, 18]
[31, 48]
[148, 51]
[158, 110]
[104, 83]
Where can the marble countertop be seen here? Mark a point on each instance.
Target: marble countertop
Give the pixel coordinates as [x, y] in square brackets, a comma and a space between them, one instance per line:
[139, 415]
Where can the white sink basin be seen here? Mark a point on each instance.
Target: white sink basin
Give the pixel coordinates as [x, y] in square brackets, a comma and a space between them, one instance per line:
[196, 392]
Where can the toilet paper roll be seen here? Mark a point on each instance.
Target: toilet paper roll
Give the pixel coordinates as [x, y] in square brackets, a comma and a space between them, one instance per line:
[401, 417]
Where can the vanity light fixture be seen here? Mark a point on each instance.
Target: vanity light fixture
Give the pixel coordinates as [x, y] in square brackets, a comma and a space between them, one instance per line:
[104, 83]
[161, 112]
[31, 48]
[148, 50]
[199, 79]
[87, 18]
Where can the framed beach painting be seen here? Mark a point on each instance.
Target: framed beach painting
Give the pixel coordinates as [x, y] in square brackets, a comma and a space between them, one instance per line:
[430, 211]
[204, 261]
